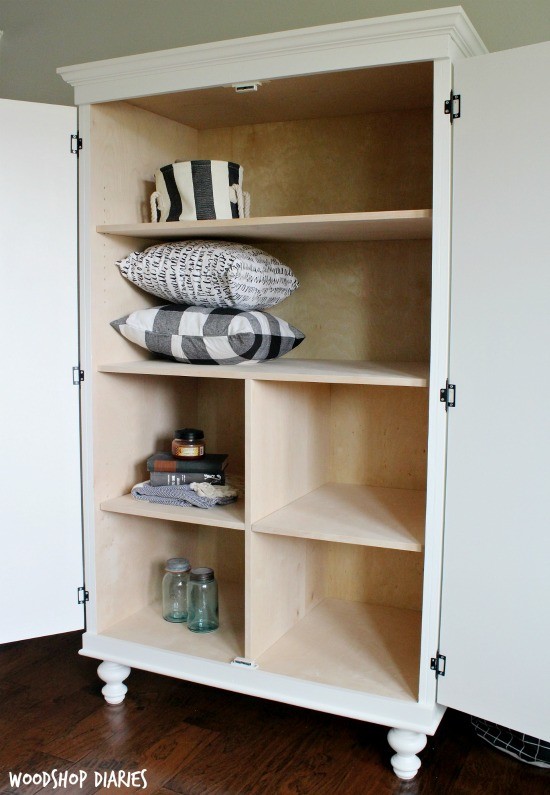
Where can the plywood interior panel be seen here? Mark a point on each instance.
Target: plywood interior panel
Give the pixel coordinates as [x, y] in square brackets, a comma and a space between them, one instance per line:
[307, 577]
[129, 144]
[378, 161]
[353, 645]
[357, 300]
[400, 87]
[379, 436]
[147, 627]
[133, 551]
[285, 582]
[289, 443]
[130, 557]
[220, 413]
[305, 435]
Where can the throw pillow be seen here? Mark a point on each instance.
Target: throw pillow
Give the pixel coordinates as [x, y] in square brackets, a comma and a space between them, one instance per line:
[202, 335]
[210, 273]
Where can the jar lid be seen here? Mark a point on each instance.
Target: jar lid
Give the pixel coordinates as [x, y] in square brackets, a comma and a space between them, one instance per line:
[190, 434]
[177, 564]
[202, 574]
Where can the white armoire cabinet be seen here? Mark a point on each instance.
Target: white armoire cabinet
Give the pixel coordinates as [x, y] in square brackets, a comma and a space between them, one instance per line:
[388, 556]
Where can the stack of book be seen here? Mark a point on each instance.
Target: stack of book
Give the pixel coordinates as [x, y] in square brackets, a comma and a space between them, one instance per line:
[167, 470]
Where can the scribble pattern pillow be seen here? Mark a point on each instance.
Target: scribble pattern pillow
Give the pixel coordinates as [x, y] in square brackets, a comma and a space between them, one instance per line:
[210, 273]
[202, 335]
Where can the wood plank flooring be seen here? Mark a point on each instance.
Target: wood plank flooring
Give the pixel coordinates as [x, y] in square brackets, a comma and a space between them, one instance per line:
[195, 740]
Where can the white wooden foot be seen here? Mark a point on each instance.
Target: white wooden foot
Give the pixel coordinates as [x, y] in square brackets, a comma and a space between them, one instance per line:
[406, 744]
[113, 674]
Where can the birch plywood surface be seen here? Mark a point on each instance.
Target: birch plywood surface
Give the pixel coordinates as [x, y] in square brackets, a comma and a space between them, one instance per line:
[358, 163]
[291, 569]
[414, 374]
[352, 514]
[353, 645]
[379, 436]
[387, 225]
[231, 515]
[402, 87]
[289, 442]
[368, 301]
[148, 627]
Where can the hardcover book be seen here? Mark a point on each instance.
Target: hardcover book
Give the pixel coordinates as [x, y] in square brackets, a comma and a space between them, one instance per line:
[184, 478]
[166, 462]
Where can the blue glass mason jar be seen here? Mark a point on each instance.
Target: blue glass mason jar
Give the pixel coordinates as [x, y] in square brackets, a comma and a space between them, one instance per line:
[174, 590]
[202, 601]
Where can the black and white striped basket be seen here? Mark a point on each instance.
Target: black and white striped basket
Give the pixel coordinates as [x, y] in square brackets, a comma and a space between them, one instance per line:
[198, 190]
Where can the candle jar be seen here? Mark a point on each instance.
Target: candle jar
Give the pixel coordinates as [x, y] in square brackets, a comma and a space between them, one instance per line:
[202, 601]
[174, 590]
[188, 444]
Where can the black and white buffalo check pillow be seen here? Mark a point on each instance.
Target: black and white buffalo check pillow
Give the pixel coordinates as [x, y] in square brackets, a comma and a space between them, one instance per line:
[205, 335]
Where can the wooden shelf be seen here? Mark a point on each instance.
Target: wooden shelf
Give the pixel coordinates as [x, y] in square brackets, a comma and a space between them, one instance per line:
[230, 516]
[371, 648]
[387, 225]
[353, 514]
[411, 374]
[148, 627]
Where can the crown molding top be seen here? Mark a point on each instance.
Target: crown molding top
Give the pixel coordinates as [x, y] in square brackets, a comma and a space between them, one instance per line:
[425, 35]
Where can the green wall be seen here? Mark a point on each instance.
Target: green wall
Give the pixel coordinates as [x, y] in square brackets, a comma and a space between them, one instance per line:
[40, 35]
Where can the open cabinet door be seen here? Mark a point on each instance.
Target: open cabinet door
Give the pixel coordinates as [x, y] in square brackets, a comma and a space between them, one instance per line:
[41, 552]
[495, 629]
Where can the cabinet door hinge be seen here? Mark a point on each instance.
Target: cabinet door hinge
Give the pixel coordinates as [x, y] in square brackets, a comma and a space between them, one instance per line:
[438, 664]
[452, 107]
[447, 395]
[76, 144]
[82, 595]
[78, 376]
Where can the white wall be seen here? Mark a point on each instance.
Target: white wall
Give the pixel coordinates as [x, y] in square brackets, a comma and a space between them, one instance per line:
[40, 35]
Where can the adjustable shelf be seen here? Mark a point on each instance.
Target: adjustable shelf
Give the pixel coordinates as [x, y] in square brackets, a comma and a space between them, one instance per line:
[228, 516]
[386, 225]
[353, 514]
[411, 374]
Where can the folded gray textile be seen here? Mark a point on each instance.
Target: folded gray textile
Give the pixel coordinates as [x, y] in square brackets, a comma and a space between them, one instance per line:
[184, 496]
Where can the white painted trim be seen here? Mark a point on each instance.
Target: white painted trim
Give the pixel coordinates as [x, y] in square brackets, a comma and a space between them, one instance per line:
[425, 35]
[439, 368]
[323, 698]
[86, 428]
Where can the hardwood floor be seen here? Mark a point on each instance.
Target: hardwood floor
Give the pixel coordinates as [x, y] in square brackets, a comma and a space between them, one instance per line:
[196, 740]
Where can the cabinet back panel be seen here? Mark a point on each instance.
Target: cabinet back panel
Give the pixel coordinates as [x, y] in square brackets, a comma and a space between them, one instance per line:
[379, 436]
[359, 300]
[373, 575]
[377, 161]
[220, 413]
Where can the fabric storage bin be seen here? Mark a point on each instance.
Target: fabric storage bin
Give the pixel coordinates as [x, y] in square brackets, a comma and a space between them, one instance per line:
[198, 190]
